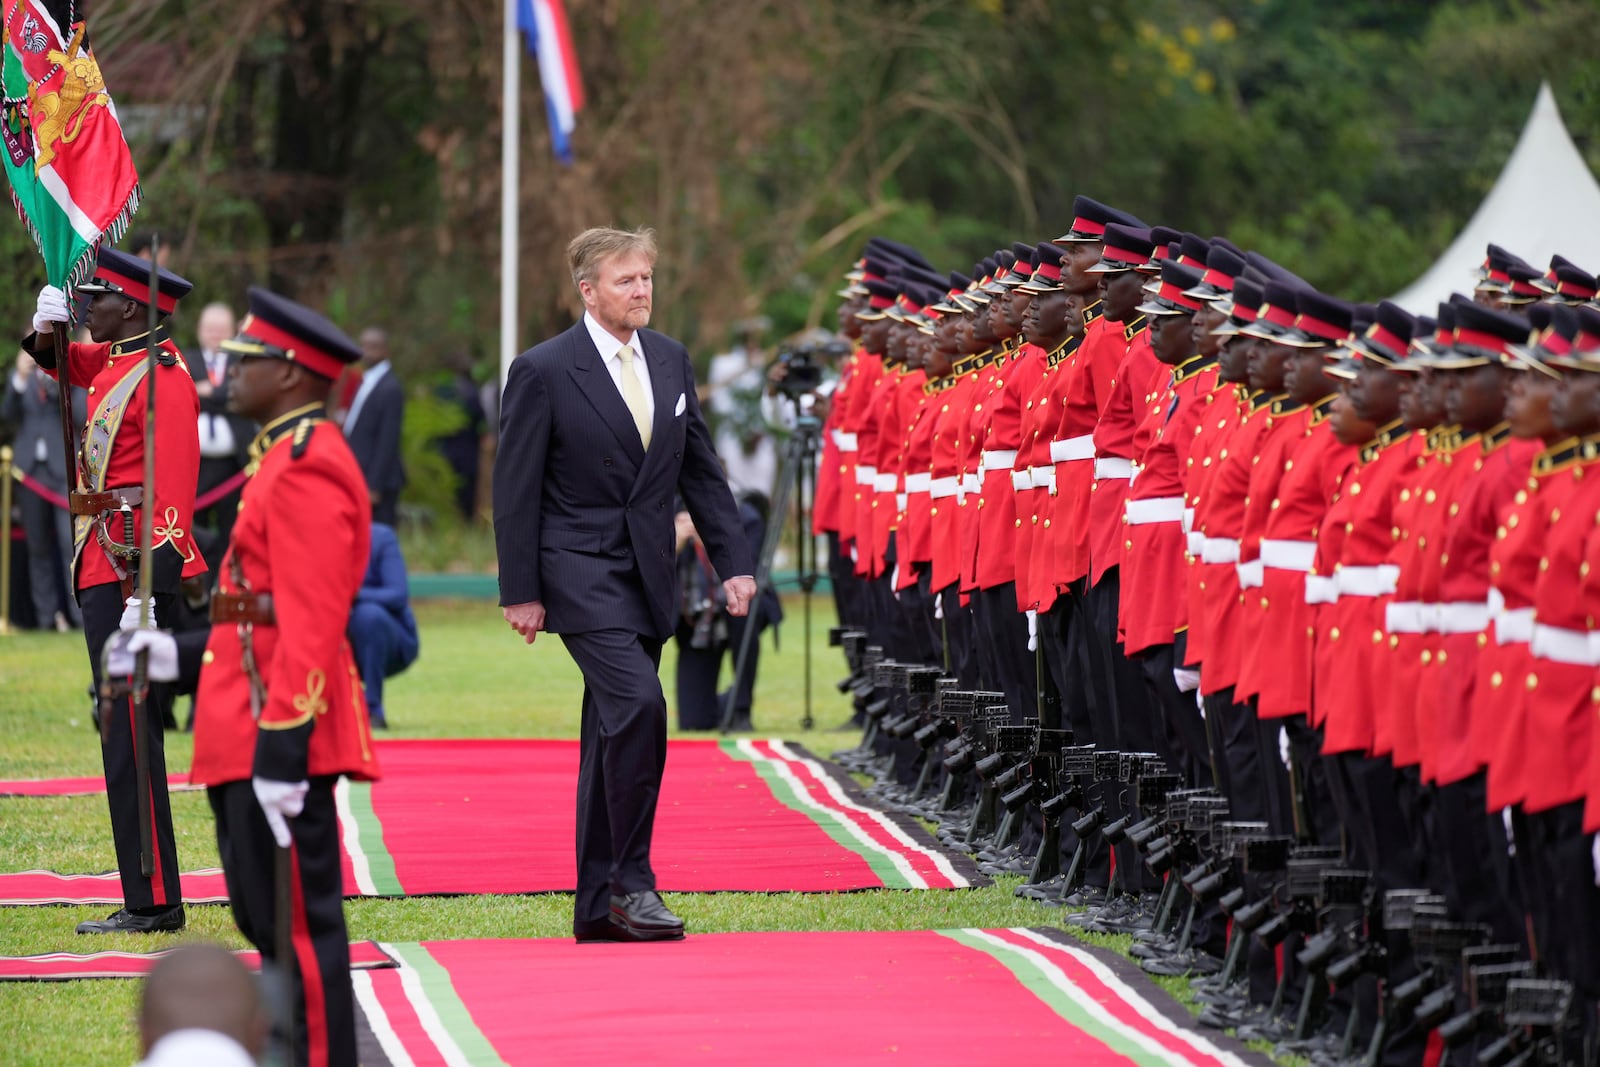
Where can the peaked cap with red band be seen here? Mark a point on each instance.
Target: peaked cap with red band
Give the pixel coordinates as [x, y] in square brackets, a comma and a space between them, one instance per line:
[129, 276]
[1171, 294]
[278, 328]
[1090, 218]
[1126, 248]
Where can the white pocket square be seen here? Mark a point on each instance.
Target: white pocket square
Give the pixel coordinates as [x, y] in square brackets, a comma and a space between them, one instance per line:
[682, 403]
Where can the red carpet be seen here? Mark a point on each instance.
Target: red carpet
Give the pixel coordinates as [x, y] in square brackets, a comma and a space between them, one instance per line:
[925, 997]
[489, 816]
[61, 966]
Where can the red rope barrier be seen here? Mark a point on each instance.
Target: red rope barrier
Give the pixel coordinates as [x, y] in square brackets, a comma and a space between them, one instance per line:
[201, 502]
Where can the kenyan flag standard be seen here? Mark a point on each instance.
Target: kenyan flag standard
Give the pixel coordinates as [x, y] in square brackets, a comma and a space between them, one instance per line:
[72, 176]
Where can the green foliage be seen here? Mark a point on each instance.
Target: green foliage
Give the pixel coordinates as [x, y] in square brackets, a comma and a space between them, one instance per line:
[430, 482]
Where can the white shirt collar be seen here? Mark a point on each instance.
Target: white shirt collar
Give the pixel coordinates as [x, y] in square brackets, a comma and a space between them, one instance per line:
[197, 1046]
[374, 373]
[607, 344]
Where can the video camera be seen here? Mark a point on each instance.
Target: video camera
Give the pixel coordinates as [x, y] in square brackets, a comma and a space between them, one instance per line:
[804, 366]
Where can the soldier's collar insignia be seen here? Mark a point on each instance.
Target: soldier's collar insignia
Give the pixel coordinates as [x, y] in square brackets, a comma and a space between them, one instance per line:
[1260, 398]
[1495, 436]
[1439, 438]
[1559, 456]
[1323, 408]
[1063, 350]
[297, 424]
[131, 345]
[1091, 313]
[1282, 405]
[973, 362]
[1388, 435]
[1134, 327]
[1190, 367]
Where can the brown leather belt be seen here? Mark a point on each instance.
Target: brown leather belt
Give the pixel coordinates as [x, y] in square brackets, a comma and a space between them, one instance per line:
[254, 608]
[100, 503]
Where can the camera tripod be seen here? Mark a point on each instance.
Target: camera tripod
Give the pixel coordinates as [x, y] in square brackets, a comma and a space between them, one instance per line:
[797, 482]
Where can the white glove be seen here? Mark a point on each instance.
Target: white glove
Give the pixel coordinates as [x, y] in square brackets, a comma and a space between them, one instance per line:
[1188, 681]
[1283, 748]
[131, 612]
[51, 309]
[1033, 631]
[123, 648]
[280, 802]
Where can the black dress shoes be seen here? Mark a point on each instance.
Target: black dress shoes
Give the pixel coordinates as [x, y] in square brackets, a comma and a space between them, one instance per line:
[642, 917]
[592, 931]
[127, 922]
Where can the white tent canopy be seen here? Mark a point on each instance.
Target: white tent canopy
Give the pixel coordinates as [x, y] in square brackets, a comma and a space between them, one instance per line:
[1544, 202]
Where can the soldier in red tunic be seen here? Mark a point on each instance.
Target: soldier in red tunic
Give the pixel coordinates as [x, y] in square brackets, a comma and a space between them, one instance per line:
[280, 711]
[107, 505]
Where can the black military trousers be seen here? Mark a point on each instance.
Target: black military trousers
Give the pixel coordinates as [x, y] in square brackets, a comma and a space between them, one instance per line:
[928, 612]
[1472, 868]
[1182, 739]
[1003, 642]
[1231, 731]
[622, 754]
[959, 634]
[322, 1000]
[1563, 901]
[1065, 635]
[102, 610]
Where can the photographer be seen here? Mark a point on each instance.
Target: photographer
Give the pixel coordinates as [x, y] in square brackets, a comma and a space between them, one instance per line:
[707, 633]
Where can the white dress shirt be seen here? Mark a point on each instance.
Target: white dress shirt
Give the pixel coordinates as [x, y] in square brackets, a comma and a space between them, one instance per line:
[186, 1048]
[216, 436]
[609, 347]
[369, 381]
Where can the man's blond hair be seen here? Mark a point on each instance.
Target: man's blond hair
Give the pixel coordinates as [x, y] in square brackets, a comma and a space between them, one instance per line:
[594, 246]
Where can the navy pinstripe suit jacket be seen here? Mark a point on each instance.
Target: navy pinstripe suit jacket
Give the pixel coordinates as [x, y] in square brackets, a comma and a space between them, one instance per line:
[583, 514]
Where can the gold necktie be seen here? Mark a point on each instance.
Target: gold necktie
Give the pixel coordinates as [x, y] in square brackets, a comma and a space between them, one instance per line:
[633, 395]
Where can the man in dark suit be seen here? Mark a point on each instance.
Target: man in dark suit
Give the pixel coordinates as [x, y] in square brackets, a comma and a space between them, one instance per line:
[373, 427]
[32, 406]
[224, 437]
[599, 427]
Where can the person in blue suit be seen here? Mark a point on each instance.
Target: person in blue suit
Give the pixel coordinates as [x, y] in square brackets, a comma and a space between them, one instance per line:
[383, 632]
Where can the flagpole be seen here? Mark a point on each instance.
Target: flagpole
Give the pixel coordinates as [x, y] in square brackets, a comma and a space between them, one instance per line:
[510, 142]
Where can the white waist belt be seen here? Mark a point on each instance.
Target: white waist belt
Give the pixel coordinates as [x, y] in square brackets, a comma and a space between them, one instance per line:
[1155, 509]
[900, 501]
[1496, 602]
[886, 483]
[1021, 480]
[1219, 550]
[1320, 589]
[1513, 626]
[1188, 521]
[845, 441]
[866, 475]
[1251, 573]
[1113, 467]
[1072, 448]
[918, 483]
[1045, 478]
[971, 483]
[1404, 617]
[994, 461]
[1562, 646]
[1461, 617]
[1196, 544]
[1288, 555]
[1367, 581]
[940, 488]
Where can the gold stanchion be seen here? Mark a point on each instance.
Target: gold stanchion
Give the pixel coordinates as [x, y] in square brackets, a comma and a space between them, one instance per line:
[5, 540]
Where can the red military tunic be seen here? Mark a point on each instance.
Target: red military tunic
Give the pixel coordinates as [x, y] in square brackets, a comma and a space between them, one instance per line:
[1281, 657]
[1155, 576]
[1286, 428]
[1138, 374]
[871, 423]
[996, 562]
[1498, 711]
[862, 377]
[1558, 724]
[1413, 632]
[1045, 555]
[1227, 407]
[99, 368]
[1090, 372]
[1463, 620]
[302, 535]
[949, 434]
[991, 379]
[915, 543]
[1350, 636]
[830, 468]
[904, 397]
[1219, 518]
[1033, 476]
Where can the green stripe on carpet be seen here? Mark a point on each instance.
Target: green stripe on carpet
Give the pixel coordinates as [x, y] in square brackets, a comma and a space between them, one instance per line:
[446, 1004]
[369, 839]
[1039, 983]
[831, 822]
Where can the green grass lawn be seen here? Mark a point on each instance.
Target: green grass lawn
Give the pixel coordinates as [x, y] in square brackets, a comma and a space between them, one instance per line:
[475, 678]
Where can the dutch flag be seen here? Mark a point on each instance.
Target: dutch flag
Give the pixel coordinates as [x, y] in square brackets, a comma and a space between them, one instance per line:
[544, 24]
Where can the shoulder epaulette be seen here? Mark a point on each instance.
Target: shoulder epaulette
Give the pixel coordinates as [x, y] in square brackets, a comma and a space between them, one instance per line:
[302, 437]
